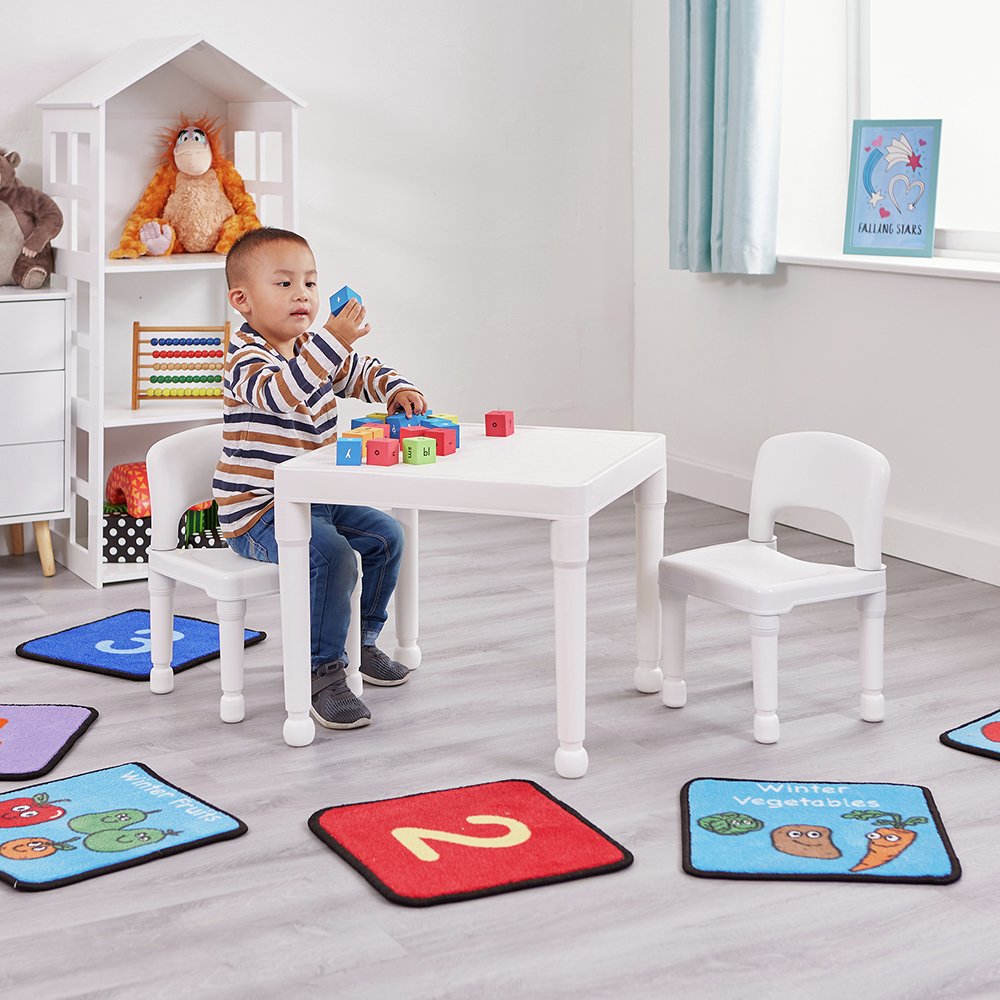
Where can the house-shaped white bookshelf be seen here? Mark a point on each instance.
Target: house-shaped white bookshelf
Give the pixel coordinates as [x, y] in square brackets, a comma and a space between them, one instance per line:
[100, 150]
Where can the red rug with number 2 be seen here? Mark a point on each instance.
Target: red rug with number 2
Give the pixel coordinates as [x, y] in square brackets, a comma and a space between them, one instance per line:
[460, 843]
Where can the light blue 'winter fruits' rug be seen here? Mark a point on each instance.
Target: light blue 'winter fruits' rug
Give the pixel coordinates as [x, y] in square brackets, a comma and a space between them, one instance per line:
[981, 736]
[91, 824]
[815, 830]
[34, 738]
[119, 645]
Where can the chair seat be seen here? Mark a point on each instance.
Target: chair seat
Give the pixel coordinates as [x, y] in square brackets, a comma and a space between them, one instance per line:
[755, 578]
[221, 573]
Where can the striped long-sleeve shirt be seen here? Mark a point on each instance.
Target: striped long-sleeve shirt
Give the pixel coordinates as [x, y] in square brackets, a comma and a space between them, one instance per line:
[277, 408]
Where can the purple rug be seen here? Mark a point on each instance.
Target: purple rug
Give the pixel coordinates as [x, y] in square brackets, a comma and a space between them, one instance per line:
[34, 738]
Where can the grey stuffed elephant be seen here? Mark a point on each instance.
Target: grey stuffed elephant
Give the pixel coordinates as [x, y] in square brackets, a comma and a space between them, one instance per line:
[29, 221]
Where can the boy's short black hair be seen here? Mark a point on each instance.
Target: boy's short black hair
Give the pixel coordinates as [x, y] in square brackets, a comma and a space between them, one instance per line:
[242, 251]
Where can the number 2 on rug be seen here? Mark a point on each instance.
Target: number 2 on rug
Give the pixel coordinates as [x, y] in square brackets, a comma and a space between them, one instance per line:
[414, 838]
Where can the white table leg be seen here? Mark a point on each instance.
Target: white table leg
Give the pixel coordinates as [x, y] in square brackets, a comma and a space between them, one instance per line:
[292, 530]
[570, 545]
[406, 597]
[650, 501]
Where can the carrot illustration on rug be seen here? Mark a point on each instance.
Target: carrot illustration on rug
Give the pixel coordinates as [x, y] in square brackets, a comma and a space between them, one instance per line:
[887, 842]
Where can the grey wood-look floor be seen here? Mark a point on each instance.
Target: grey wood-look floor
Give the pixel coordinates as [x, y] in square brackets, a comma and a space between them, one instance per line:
[277, 914]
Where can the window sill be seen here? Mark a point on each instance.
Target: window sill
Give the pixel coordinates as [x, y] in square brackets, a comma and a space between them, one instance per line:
[986, 268]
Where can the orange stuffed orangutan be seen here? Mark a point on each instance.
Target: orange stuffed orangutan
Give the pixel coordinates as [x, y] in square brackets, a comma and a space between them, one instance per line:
[196, 201]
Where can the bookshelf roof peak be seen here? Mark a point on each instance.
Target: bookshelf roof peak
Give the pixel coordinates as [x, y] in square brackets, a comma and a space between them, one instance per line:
[203, 61]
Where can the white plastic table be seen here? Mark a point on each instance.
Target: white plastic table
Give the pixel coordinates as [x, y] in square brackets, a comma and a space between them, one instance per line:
[563, 475]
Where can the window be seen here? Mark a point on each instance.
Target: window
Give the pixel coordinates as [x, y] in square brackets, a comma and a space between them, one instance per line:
[925, 59]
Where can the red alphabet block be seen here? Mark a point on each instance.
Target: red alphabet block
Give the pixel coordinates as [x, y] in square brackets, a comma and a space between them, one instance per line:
[445, 437]
[382, 451]
[412, 432]
[499, 423]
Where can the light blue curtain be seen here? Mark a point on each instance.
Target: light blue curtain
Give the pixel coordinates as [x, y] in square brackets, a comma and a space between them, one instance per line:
[725, 129]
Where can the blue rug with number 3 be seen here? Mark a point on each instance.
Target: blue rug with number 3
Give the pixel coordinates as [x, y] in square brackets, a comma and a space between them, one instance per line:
[119, 645]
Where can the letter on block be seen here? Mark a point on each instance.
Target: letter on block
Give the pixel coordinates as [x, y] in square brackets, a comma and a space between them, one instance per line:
[499, 423]
[382, 451]
[349, 450]
[445, 438]
[340, 299]
[400, 420]
[419, 450]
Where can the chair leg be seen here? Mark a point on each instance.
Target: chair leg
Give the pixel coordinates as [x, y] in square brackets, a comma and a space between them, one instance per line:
[232, 620]
[673, 625]
[161, 632]
[764, 653]
[871, 623]
[354, 681]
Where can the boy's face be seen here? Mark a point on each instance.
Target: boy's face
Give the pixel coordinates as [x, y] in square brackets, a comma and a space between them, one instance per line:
[278, 295]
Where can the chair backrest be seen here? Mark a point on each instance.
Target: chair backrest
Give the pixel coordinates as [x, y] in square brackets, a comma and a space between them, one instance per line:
[180, 470]
[822, 471]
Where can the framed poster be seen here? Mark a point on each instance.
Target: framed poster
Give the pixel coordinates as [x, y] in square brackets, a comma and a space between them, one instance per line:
[892, 187]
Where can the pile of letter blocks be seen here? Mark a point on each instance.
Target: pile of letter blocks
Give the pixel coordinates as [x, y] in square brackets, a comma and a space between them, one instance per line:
[417, 440]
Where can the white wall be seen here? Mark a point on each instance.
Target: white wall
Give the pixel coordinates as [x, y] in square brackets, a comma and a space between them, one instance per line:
[466, 166]
[906, 363]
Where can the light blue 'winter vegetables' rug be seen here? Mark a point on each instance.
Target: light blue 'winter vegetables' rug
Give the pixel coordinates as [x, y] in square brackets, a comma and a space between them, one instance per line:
[816, 830]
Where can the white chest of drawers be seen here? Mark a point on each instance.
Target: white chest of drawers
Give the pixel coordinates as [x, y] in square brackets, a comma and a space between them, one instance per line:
[33, 408]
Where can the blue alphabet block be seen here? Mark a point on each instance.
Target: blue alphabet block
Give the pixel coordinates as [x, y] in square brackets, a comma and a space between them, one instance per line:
[340, 299]
[399, 420]
[357, 422]
[349, 450]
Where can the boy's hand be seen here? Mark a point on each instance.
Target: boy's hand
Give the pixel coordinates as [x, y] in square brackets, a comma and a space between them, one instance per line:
[409, 401]
[349, 325]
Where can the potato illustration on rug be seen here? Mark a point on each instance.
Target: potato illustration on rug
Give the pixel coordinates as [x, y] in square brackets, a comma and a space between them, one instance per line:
[805, 841]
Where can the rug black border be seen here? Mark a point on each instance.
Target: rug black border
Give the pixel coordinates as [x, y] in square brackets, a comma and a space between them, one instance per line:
[132, 862]
[978, 751]
[953, 876]
[455, 897]
[71, 740]
[186, 665]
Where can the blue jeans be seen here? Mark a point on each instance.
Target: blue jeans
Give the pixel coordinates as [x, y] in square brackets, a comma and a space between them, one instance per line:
[337, 531]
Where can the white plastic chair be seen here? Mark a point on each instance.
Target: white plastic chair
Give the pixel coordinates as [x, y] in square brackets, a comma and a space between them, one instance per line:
[811, 469]
[180, 470]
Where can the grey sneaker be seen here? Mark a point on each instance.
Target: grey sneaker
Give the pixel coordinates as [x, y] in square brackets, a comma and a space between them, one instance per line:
[334, 705]
[377, 668]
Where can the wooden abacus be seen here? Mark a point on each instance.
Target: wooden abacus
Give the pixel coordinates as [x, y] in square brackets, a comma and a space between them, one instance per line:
[165, 367]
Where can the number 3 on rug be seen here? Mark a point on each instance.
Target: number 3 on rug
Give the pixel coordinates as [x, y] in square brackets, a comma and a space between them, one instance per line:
[414, 838]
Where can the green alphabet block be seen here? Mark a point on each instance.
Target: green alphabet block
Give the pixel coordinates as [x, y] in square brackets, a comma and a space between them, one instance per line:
[419, 450]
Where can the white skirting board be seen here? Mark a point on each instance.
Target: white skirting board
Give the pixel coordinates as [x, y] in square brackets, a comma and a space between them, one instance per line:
[940, 546]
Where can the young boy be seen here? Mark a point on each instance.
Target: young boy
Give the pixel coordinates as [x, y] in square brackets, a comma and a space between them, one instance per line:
[279, 393]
